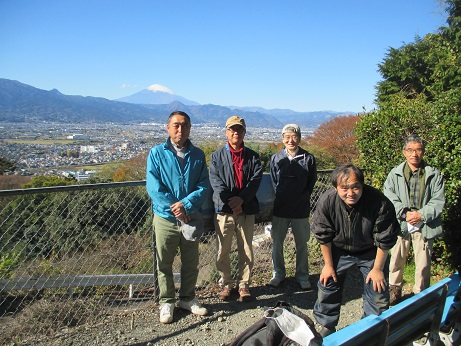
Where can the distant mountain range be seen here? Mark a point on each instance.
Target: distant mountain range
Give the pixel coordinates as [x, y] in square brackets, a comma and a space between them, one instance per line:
[23, 103]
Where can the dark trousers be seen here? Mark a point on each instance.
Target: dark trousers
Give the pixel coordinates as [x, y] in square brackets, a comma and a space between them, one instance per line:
[328, 304]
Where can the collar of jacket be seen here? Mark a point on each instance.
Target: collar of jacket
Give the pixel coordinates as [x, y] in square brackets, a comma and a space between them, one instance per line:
[228, 148]
[188, 145]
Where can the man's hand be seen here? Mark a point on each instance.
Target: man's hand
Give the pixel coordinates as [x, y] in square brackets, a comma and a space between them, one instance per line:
[379, 281]
[327, 272]
[235, 202]
[179, 212]
[237, 211]
[413, 217]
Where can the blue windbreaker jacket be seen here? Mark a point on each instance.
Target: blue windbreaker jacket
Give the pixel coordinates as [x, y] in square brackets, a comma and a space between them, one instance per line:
[167, 184]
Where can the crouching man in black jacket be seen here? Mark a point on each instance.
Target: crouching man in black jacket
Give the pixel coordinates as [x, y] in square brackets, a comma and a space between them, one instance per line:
[355, 224]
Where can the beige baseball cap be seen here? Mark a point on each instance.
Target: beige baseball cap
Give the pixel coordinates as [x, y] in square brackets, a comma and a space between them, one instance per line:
[235, 120]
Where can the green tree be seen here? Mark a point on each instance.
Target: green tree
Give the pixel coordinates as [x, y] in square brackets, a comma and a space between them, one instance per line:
[48, 181]
[430, 65]
[323, 158]
[59, 223]
[208, 147]
[381, 133]
[265, 156]
[6, 165]
[380, 138]
[421, 93]
[25, 217]
[446, 144]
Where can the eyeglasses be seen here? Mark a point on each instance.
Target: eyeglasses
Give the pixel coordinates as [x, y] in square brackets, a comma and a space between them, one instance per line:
[410, 151]
[237, 129]
[293, 138]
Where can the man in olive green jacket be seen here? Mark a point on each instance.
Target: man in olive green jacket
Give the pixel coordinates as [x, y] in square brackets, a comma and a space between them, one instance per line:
[417, 192]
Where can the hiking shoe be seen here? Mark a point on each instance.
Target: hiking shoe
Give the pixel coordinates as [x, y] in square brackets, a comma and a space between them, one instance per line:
[193, 306]
[324, 331]
[245, 295]
[225, 293]
[166, 313]
[275, 282]
[395, 293]
[305, 285]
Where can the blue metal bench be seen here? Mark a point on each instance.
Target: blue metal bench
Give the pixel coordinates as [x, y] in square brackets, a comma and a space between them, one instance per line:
[403, 323]
[367, 331]
[450, 329]
[414, 317]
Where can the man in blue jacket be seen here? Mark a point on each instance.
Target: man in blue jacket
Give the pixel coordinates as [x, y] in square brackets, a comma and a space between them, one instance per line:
[177, 181]
[293, 173]
[417, 191]
[235, 176]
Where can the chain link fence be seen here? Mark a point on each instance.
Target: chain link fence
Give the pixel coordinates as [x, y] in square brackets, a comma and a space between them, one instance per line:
[72, 255]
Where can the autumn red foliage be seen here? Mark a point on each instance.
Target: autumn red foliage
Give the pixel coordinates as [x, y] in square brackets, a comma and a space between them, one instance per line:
[133, 169]
[337, 137]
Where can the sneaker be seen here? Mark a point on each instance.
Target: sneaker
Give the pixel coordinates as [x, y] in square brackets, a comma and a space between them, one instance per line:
[275, 282]
[395, 293]
[166, 313]
[193, 306]
[245, 295]
[225, 293]
[324, 331]
[305, 285]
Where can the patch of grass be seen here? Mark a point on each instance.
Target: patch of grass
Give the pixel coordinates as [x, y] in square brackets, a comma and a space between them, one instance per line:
[9, 261]
[438, 272]
[409, 274]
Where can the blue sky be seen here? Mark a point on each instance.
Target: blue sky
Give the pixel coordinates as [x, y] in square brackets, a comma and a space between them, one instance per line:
[303, 55]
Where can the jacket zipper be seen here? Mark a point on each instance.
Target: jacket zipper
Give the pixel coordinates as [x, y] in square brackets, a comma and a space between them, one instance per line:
[349, 229]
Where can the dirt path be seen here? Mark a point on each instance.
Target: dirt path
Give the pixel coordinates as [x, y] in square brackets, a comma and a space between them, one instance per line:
[135, 325]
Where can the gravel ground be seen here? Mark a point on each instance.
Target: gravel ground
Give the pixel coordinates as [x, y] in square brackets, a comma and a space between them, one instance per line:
[140, 326]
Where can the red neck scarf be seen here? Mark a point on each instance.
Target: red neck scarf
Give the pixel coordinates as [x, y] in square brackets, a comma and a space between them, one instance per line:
[237, 162]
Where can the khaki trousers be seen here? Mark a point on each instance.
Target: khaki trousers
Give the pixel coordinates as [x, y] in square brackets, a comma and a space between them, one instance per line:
[242, 226]
[423, 251]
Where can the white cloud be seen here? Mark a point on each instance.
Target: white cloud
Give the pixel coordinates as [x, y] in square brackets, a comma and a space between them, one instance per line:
[129, 86]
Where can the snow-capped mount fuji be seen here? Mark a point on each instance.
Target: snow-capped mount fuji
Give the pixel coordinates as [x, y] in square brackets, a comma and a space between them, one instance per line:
[160, 88]
[156, 94]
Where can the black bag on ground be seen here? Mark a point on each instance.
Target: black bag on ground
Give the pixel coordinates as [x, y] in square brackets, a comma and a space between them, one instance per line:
[266, 331]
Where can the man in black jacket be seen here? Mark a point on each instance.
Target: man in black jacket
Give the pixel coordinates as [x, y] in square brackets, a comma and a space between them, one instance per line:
[355, 224]
[293, 174]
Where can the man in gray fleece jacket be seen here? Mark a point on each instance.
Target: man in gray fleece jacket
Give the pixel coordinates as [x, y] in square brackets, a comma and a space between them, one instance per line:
[417, 191]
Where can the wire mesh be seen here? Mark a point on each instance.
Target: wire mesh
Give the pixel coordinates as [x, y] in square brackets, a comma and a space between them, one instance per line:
[72, 255]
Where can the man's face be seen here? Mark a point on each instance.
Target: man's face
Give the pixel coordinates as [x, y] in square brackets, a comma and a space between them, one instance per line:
[290, 140]
[179, 129]
[349, 190]
[235, 135]
[414, 152]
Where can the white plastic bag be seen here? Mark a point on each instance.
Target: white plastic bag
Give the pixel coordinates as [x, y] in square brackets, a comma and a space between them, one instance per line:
[294, 327]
